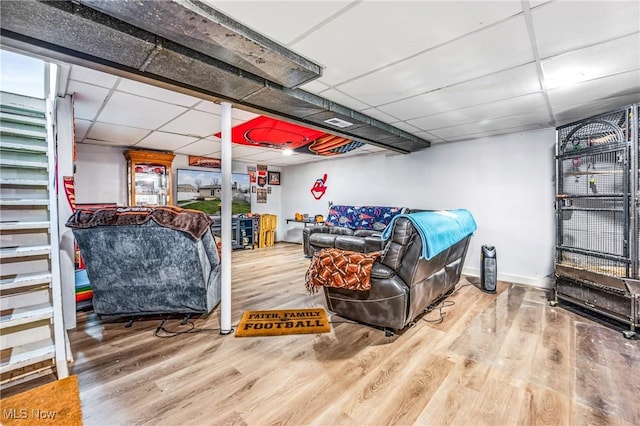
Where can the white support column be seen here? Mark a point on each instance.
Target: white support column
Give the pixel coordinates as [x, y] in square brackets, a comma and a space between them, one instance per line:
[64, 126]
[225, 302]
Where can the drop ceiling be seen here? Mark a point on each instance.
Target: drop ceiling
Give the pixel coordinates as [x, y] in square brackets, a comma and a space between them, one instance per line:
[443, 71]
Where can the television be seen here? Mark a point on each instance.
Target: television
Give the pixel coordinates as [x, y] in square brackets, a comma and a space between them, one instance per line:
[202, 190]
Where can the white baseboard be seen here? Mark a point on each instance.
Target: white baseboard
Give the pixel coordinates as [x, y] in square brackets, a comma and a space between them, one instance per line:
[543, 282]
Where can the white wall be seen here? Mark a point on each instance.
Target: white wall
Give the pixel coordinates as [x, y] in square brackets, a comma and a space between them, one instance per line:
[101, 174]
[507, 182]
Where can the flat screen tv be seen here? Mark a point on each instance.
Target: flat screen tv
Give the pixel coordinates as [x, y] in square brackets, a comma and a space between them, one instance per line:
[202, 190]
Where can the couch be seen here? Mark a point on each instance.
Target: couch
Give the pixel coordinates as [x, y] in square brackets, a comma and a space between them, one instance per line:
[355, 228]
[403, 283]
[144, 261]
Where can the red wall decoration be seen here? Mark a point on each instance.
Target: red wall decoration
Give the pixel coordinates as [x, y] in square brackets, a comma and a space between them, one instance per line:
[319, 188]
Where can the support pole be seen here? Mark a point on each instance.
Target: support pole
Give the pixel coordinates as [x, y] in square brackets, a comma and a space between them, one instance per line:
[225, 301]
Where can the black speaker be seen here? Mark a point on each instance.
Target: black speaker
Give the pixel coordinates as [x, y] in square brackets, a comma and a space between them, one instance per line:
[488, 269]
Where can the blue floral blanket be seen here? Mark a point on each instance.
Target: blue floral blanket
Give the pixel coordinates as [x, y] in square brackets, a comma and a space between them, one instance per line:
[362, 217]
[439, 229]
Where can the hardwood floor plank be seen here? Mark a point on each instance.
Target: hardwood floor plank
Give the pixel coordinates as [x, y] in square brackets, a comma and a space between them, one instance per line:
[496, 359]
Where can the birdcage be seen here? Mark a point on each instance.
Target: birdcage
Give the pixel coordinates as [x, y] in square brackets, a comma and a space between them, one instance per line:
[598, 214]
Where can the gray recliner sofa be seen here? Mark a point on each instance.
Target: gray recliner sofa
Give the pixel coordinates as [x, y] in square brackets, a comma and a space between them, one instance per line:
[354, 228]
[149, 261]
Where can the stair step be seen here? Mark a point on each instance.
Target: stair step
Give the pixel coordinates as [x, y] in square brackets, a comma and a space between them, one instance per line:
[24, 182]
[11, 226]
[7, 162]
[25, 119]
[26, 358]
[23, 202]
[24, 280]
[25, 299]
[28, 251]
[25, 316]
[21, 146]
[27, 133]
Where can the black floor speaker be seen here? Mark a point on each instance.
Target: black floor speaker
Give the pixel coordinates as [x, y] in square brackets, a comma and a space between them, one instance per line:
[488, 269]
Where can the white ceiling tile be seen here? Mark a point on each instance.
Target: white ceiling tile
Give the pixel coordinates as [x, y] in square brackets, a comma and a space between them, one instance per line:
[210, 107]
[315, 86]
[493, 49]
[478, 113]
[506, 84]
[266, 155]
[536, 3]
[602, 88]
[283, 21]
[157, 93]
[96, 78]
[604, 59]
[239, 150]
[566, 25]
[165, 141]
[81, 127]
[570, 113]
[98, 142]
[120, 135]
[87, 99]
[345, 100]
[491, 125]
[242, 115]
[194, 123]
[292, 159]
[134, 111]
[370, 35]
[201, 147]
[505, 131]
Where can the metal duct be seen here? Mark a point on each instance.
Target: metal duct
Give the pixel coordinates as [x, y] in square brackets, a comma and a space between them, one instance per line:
[81, 35]
[197, 26]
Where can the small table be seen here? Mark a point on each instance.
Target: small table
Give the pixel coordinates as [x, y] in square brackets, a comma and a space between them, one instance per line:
[306, 222]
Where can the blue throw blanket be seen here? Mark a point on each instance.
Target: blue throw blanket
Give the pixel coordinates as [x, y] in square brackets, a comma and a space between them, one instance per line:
[439, 229]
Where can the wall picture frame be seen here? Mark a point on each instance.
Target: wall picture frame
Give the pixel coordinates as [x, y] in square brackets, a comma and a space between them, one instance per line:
[273, 178]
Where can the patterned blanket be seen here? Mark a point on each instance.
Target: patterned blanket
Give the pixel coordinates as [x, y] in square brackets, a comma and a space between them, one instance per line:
[341, 269]
[193, 222]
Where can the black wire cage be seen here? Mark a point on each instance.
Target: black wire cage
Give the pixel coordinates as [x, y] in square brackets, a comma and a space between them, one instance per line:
[598, 214]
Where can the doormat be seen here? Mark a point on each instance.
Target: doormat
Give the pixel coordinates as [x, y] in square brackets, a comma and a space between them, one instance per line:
[277, 323]
[56, 403]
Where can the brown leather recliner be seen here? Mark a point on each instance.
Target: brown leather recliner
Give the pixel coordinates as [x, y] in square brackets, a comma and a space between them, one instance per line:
[402, 284]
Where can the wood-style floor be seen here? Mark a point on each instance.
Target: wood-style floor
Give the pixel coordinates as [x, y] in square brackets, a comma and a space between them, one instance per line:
[504, 359]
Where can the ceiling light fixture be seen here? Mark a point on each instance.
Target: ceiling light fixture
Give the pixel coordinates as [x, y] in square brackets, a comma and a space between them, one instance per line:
[338, 122]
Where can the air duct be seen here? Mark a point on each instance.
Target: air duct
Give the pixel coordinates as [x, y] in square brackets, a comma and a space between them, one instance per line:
[177, 44]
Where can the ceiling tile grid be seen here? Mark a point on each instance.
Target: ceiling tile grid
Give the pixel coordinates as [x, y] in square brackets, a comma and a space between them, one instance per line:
[203, 147]
[493, 49]
[443, 71]
[563, 26]
[370, 35]
[116, 133]
[165, 141]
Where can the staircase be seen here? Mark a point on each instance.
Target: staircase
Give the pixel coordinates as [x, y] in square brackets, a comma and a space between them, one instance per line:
[32, 334]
